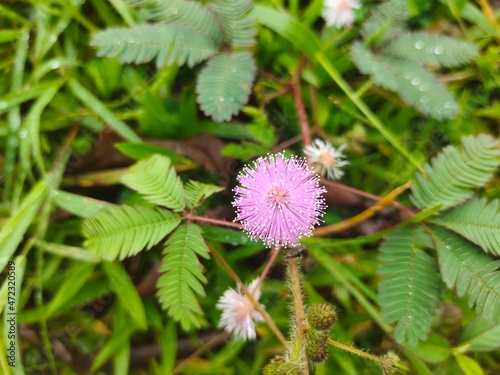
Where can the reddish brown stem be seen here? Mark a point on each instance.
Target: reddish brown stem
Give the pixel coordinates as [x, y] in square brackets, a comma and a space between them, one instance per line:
[285, 144]
[299, 104]
[208, 220]
[265, 271]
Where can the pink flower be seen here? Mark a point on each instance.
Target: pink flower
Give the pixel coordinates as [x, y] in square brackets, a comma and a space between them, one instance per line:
[238, 313]
[279, 200]
[339, 12]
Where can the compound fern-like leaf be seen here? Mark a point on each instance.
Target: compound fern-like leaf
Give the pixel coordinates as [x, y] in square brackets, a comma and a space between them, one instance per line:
[470, 271]
[167, 43]
[182, 276]
[191, 14]
[452, 174]
[380, 71]
[420, 88]
[156, 180]
[409, 290]
[432, 49]
[385, 21]
[224, 85]
[122, 231]
[478, 221]
[238, 26]
[197, 192]
[416, 86]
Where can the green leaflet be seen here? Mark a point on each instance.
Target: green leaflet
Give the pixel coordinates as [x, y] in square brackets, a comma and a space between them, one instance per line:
[191, 14]
[182, 275]
[244, 150]
[224, 84]
[92, 102]
[238, 27]
[468, 365]
[126, 292]
[77, 204]
[15, 227]
[225, 235]
[155, 179]
[374, 65]
[435, 349]
[385, 21]
[124, 327]
[122, 231]
[409, 289]
[188, 32]
[197, 192]
[432, 49]
[416, 86]
[398, 62]
[137, 151]
[421, 89]
[470, 271]
[289, 28]
[478, 221]
[78, 275]
[479, 335]
[450, 177]
[169, 44]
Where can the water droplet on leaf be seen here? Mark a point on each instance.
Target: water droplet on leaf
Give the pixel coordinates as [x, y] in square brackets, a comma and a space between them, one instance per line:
[419, 45]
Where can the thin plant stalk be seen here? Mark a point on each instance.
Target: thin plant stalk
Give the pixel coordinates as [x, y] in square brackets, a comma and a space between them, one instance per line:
[272, 257]
[209, 220]
[371, 117]
[249, 295]
[395, 204]
[217, 340]
[369, 212]
[299, 104]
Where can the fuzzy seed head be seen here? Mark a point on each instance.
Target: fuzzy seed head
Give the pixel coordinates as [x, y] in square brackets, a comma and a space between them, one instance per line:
[317, 346]
[322, 316]
[393, 364]
[279, 200]
[283, 368]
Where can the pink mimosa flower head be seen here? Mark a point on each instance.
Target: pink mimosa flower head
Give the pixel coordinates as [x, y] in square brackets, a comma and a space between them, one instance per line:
[238, 313]
[279, 200]
[339, 13]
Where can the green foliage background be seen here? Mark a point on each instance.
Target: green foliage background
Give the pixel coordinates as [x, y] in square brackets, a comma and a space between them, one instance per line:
[82, 238]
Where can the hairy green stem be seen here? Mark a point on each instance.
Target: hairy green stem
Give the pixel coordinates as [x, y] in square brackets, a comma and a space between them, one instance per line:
[298, 340]
[353, 350]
